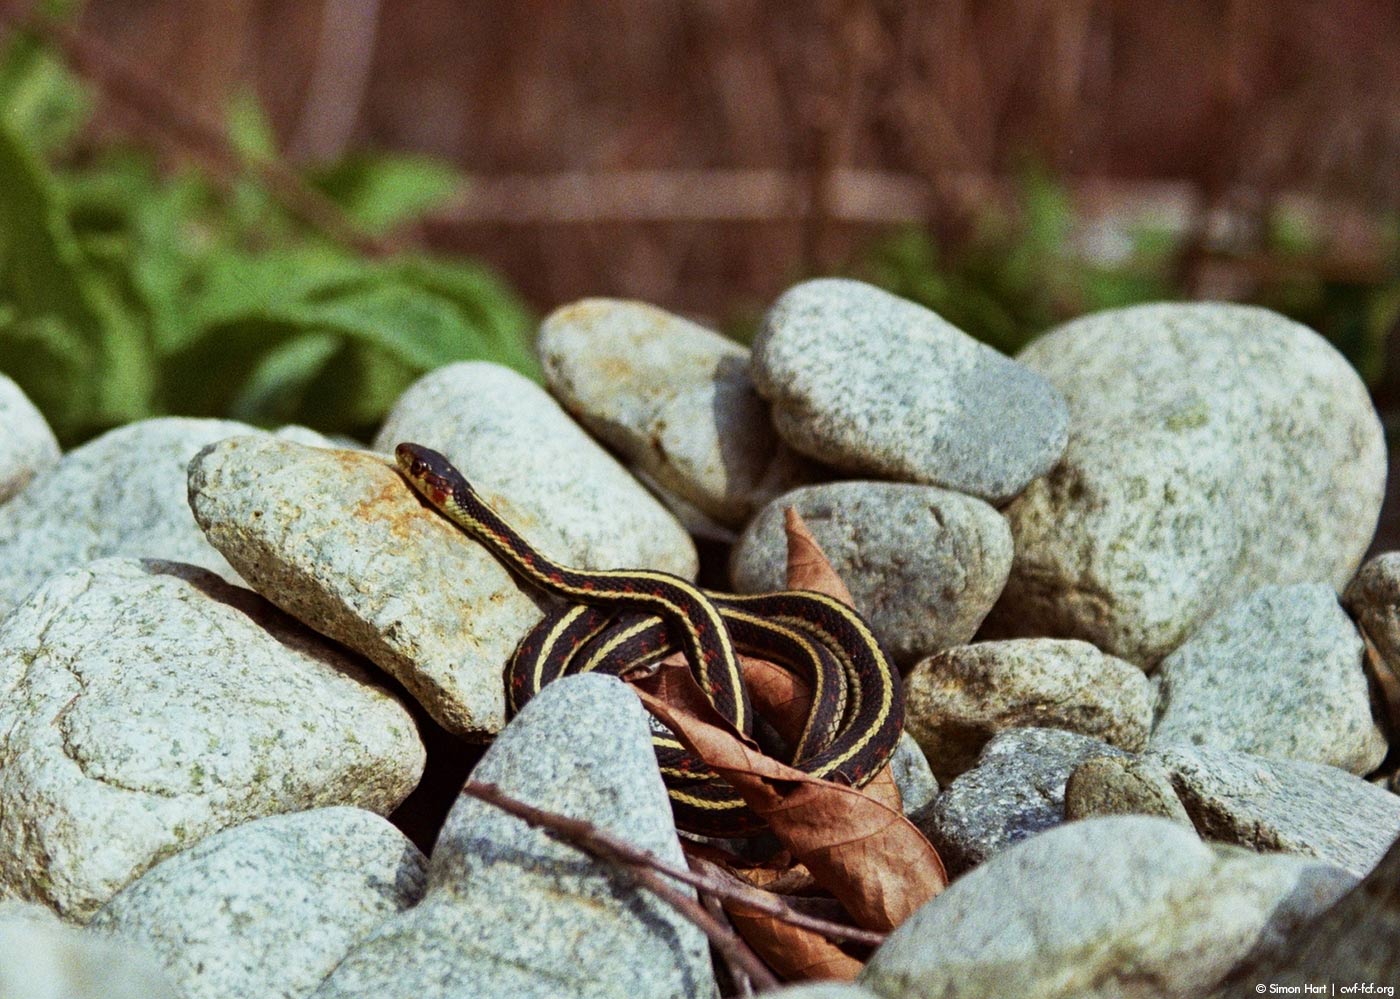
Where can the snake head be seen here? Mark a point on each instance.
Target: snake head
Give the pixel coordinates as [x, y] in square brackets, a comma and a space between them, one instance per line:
[428, 471]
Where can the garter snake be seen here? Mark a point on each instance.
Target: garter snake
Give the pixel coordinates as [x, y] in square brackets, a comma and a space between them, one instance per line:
[858, 704]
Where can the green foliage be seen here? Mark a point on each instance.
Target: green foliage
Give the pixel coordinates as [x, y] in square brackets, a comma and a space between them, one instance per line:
[380, 192]
[1017, 276]
[1355, 314]
[125, 293]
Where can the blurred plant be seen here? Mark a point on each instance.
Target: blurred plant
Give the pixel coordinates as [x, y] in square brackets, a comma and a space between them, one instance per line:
[1017, 275]
[1357, 313]
[126, 294]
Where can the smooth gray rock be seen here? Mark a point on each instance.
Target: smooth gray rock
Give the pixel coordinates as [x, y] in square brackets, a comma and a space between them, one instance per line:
[959, 698]
[270, 907]
[1353, 942]
[924, 565]
[1123, 785]
[510, 911]
[1277, 674]
[120, 494]
[41, 958]
[1284, 805]
[1102, 908]
[526, 457]
[1213, 449]
[145, 705]
[674, 399]
[1373, 599]
[27, 445]
[339, 540]
[874, 384]
[912, 775]
[1016, 790]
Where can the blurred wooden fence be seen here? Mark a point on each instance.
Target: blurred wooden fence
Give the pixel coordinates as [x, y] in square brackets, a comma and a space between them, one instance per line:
[708, 151]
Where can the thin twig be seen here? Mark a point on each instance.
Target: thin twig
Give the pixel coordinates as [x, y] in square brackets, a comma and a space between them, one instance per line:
[732, 946]
[642, 864]
[736, 974]
[126, 83]
[602, 843]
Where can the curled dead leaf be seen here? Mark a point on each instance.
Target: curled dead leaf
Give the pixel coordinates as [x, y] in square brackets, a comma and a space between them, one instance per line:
[865, 853]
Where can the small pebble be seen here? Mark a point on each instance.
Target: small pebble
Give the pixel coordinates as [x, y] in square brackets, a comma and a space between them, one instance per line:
[513, 911]
[120, 494]
[1016, 790]
[1105, 907]
[527, 458]
[268, 908]
[27, 445]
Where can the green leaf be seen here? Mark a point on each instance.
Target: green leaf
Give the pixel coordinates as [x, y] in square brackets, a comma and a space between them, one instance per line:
[275, 391]
[381, 192]
[414, 329]
[39, 97]
[52, 364]
[502, 325]
[249, 129]
[354, 390]
[44, 277]
[239, 286]
[423, 331]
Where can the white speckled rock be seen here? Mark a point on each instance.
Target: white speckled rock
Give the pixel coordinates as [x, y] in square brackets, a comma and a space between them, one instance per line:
[120, 494]
[145, 705]
[1284, 805]
[1278, 674]
[270, 907]
[1373, 599]
[510, 911]
[959, 698]
[875, 384]
[27, 445]
[674, 399]
[525, 455]
[924, 565]
[1213, 449]
[1108, 907]
[823, 990]
[1016, 790]
[41, 958]
[339, 540]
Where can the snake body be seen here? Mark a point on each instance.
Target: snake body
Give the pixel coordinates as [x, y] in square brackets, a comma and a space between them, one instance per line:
[857, 704]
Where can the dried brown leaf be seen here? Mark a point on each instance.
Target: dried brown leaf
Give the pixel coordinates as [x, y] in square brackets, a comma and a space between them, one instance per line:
[807, 565]
[867, 854]
[794, 952]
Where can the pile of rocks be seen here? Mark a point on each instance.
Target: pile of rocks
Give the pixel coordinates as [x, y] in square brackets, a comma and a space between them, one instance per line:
[1159, 757]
